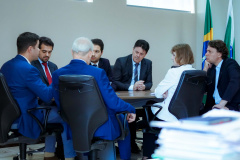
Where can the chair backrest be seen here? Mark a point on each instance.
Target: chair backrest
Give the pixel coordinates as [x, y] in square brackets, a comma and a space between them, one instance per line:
[187, 99]
[82, 107]
[9, 110]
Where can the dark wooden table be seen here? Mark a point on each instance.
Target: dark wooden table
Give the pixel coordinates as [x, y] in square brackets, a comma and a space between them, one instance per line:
[137, 98]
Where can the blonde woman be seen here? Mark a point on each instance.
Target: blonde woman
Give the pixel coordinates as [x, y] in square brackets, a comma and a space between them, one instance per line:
[182, 57]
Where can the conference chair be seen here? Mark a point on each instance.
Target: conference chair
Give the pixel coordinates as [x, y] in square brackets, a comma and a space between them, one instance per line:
[9, 112]
[186, 101]
[83, 108]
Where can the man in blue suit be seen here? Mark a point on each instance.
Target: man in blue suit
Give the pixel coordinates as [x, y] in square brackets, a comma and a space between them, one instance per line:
[82, 51]
[26, 86]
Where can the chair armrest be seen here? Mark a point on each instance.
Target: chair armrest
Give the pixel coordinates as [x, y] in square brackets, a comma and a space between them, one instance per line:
[152, 105]
[123, 125]
[147, 107]
[148, 118]
[42, 126]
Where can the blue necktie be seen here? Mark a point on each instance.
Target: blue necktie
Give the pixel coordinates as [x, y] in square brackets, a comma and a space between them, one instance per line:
[136, 73]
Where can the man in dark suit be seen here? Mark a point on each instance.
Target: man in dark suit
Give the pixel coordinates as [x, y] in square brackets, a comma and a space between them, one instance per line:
[26, 86]
[46, 68]
[134, 72]
[46, 47]
[99, 62]
[82, 51]
[223, 89]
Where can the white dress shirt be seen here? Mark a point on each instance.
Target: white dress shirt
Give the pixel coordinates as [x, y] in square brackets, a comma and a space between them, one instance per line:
[95, 64]
[169, 83]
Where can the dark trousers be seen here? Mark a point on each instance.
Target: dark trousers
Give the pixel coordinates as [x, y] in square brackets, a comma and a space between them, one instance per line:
[150, 137]
[133, 125]
[149, 144]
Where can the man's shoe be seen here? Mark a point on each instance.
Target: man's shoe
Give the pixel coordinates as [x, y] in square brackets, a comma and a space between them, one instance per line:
[135, 149]
[59, 153]
[117, 150]
[51, 158]
[76, 158]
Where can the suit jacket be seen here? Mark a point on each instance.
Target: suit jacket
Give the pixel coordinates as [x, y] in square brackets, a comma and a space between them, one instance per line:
[169, 83]
[105, 64]
[228, 85]
[109, 130]
[26, 85]
[52, 67]
[122, 72]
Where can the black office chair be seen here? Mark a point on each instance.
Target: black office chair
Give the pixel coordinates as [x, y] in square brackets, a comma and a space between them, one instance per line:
[9, 112]
[83, 108]
[186, 101]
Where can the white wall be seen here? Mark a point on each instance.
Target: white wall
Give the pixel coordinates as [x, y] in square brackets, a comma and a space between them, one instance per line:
[219, 18]
[118, 25]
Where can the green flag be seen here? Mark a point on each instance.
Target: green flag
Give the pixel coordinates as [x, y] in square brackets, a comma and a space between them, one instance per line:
[229, 34]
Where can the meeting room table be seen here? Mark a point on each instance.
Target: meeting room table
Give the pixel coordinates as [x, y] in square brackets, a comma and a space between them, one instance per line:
[138, 98]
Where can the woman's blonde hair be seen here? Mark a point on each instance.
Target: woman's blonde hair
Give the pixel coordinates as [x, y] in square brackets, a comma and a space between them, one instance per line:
[184, 54]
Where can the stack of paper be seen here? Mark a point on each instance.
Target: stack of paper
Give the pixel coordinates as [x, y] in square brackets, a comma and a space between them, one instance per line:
[211, 139]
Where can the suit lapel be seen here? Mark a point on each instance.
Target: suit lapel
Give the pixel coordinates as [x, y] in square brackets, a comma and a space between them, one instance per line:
[100, 63]
[51, 67]
[39, 67]
[129, 66]
[211, 78]
[214, 77]
[221, 70]
[142, 69]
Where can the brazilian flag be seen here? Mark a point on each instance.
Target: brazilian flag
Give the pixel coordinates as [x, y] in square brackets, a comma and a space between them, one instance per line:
[208, 31]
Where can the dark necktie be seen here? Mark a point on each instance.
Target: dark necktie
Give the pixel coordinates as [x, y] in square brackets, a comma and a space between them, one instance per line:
[136, 73]
[94, 65]
[47, 73]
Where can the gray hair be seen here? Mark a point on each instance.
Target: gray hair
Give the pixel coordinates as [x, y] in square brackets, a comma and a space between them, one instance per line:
[82, 45]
